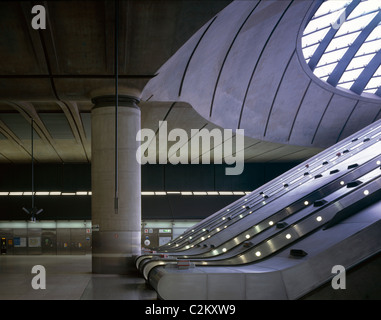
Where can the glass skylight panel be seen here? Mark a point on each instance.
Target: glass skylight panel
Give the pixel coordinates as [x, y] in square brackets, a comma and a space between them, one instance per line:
[374, 82]
[325, 70]
[342, 41]
[355, 24]
[347, 85]
[332, 56]
[350, 75]
[314, 37]
[330, 6]
[369, 47]
[309, 51]
[365, 7]
[375, 34]
[361, 61]
[370, 90]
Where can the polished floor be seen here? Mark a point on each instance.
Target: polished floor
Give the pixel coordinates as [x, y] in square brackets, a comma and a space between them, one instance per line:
[67, 278]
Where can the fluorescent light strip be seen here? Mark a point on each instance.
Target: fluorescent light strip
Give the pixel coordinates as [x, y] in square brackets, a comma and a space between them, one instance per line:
[15, 193]
[148, 193]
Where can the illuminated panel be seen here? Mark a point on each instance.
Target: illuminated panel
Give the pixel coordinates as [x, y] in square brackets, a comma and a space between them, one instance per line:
[342, 44]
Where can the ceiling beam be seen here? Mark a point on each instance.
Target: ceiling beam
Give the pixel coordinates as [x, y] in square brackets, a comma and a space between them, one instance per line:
[28, 111]
[367, 74]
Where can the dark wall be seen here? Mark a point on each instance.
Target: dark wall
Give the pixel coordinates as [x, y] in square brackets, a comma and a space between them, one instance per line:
[47, 177]
[77, 177]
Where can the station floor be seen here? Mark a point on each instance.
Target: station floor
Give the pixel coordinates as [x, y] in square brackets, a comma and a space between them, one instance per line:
[67, 278]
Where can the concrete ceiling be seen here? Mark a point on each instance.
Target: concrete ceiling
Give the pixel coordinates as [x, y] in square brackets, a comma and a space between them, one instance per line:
[244, 69]
[48, 74]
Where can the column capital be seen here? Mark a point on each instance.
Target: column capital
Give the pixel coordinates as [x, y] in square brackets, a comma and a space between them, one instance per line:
[105, 97]
[109, 101]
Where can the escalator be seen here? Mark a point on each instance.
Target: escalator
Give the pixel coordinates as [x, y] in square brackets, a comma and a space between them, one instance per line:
[316, 197]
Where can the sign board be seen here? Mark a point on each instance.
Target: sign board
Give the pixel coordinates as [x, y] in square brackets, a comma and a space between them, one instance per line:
[165, 230]
[19, 242]
[34, 242]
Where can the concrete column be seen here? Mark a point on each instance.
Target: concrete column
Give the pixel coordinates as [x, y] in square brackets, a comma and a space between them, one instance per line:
[116, 237]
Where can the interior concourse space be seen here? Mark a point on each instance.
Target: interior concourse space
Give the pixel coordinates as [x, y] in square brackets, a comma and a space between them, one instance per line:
[190, 157]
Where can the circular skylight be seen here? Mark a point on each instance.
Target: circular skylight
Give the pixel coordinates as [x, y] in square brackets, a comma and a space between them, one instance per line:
[342, 44]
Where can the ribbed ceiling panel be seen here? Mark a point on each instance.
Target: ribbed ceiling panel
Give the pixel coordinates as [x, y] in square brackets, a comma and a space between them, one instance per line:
[19, 125]
[57, 125]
